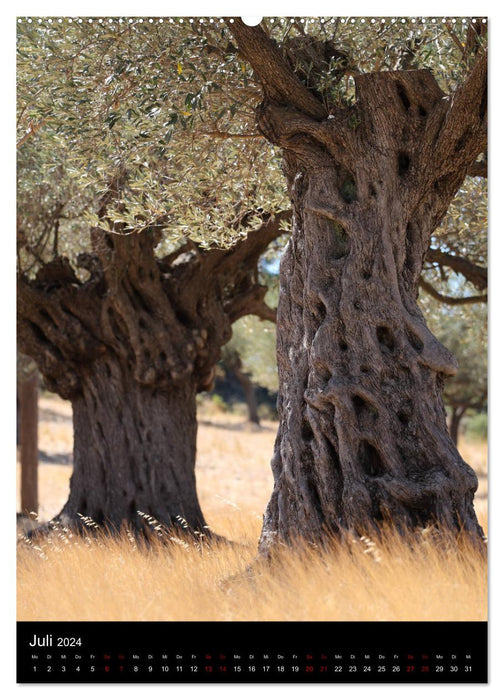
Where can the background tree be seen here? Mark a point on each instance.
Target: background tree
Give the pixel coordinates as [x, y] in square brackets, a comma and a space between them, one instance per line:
[463, 331]
[27, 427]
[124, 315]
[250, 355]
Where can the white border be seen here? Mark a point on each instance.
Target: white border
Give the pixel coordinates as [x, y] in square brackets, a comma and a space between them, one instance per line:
[7, 280]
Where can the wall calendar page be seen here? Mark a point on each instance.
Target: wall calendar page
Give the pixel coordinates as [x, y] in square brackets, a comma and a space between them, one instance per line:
[252, 349]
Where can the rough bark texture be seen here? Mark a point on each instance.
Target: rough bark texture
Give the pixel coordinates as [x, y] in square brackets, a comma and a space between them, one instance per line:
[363, 434]
[130, 347]
[28, 440]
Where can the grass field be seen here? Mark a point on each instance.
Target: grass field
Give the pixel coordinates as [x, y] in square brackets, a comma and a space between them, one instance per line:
[68, 578]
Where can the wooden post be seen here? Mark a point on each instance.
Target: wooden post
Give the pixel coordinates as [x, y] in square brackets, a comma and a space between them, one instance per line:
[28, 433]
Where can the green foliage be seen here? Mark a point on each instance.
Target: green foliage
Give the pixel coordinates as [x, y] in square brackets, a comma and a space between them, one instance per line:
[166, 108]
[463, 233]
[476, 427]
[463, 330]
[219, 403]
[254, 341]
[145, 103]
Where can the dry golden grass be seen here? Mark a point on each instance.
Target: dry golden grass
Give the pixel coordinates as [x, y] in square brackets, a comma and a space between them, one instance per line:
[71, 578]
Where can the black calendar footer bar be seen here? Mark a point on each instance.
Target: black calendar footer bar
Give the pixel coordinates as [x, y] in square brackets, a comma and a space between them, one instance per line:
[252, 652]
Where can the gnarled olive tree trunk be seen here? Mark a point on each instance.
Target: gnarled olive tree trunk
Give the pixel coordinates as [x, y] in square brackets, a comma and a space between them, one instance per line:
[362, 434]
[130, 348]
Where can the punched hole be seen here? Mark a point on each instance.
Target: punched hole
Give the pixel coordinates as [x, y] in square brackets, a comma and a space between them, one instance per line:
[251, 21]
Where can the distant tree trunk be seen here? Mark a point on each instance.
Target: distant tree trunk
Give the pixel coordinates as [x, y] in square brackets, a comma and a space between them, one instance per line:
[362, 435]
[234, 364]
[250, 395]
[456, 415]
[28, 434]
[130, 348]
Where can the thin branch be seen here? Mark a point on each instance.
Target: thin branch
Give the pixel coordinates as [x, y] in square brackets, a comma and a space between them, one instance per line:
[31, 131]
[451, 301]
[455, 38]
[265, 312]
[473, 273]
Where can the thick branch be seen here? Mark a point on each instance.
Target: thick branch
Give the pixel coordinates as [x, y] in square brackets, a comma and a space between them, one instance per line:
[464, 132]
[279, 82]
[250, 248]
[473, 273]
[451, 301]
[238, 267]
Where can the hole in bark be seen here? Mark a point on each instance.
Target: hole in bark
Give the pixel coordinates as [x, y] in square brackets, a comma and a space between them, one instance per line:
[314, 495]
[483, 105]
[365, 412]
[132, 510]
[364, 369]
[348, 189]
[403, 96]
[385, 338]
[306, 431]
[367, 274]
[403, 163]
[403, 417]
[44, 340]
[372, 190]
[414, 340]
[140, 302]
[185, 319]
[343, 346]
[339, 242]
[461, 142]
[46, 317]
[357, 305]
[360, 404]
[151, 275]
[323, 371]
[370, 460]
[163, 356]
[422, 111]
